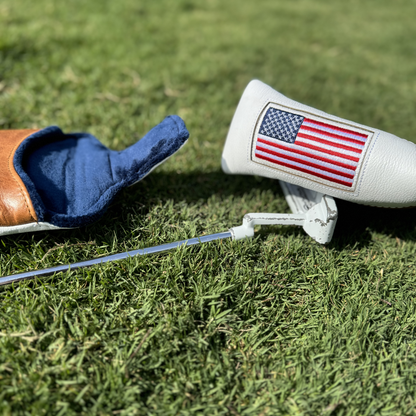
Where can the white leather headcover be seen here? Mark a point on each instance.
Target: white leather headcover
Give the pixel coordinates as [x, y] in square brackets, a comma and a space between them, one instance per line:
[276, 137]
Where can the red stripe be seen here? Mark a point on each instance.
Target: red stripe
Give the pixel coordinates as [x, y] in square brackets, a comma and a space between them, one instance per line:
[288, 165]
[310, 164]
[335, 136]
[340, 146]
[300, 152]
[330, 126]
[329, 152]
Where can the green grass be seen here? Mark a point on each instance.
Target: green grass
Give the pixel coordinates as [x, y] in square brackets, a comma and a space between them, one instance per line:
[275, 325]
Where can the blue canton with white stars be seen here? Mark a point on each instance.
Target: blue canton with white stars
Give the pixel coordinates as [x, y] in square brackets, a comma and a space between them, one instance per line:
[281, 125]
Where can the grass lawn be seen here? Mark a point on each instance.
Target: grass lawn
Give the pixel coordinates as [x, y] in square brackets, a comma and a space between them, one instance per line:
[275, 325]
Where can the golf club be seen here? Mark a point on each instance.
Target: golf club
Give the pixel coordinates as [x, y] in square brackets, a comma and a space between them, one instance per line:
[315, 212]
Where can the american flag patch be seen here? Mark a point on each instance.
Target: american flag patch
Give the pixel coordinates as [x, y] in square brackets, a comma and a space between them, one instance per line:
[318, 148]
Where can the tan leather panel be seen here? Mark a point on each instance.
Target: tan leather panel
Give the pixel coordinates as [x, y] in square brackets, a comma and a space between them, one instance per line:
[15, 205]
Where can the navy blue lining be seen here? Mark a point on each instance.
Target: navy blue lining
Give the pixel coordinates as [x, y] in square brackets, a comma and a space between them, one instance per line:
[72, 178]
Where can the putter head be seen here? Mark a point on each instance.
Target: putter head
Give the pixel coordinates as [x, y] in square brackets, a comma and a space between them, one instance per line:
[321, 212]
[279, 138]
[315, 212]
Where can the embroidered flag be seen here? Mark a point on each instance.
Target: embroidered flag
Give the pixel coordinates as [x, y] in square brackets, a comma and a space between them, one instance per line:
[318, 148]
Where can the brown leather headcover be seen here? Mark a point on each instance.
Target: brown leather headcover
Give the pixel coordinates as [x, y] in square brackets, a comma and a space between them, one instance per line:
[15, 205]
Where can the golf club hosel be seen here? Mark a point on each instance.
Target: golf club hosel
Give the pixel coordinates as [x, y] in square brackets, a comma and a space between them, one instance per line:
[246, 230]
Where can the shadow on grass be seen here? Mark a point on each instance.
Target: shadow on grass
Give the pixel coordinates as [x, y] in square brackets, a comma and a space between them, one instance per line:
[195, 186]
[17, 51]
[356, 222]
[354, 227]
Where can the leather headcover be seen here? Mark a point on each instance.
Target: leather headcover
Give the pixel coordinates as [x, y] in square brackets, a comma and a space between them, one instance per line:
[276, 137]
[15, 205]
[52, 180]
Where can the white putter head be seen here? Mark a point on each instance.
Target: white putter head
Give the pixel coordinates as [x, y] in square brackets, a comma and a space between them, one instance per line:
[276, 137]
[315, 212]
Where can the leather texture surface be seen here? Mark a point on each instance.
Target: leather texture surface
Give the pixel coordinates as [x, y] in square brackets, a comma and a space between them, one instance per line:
[387, 169]
[15, 205]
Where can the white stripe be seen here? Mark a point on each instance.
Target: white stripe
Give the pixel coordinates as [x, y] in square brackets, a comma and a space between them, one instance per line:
[327, 147]
[340, 133]
[310, 151]
[300, 165]
[263, 147]
[331, 139]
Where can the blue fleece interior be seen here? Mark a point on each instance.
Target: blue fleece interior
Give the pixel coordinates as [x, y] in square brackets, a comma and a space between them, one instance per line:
[72, 178]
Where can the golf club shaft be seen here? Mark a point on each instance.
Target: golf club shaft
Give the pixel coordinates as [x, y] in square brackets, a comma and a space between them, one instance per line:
[114, 257]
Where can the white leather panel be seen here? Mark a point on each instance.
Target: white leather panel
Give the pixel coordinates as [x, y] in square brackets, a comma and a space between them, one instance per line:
[387, 170]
